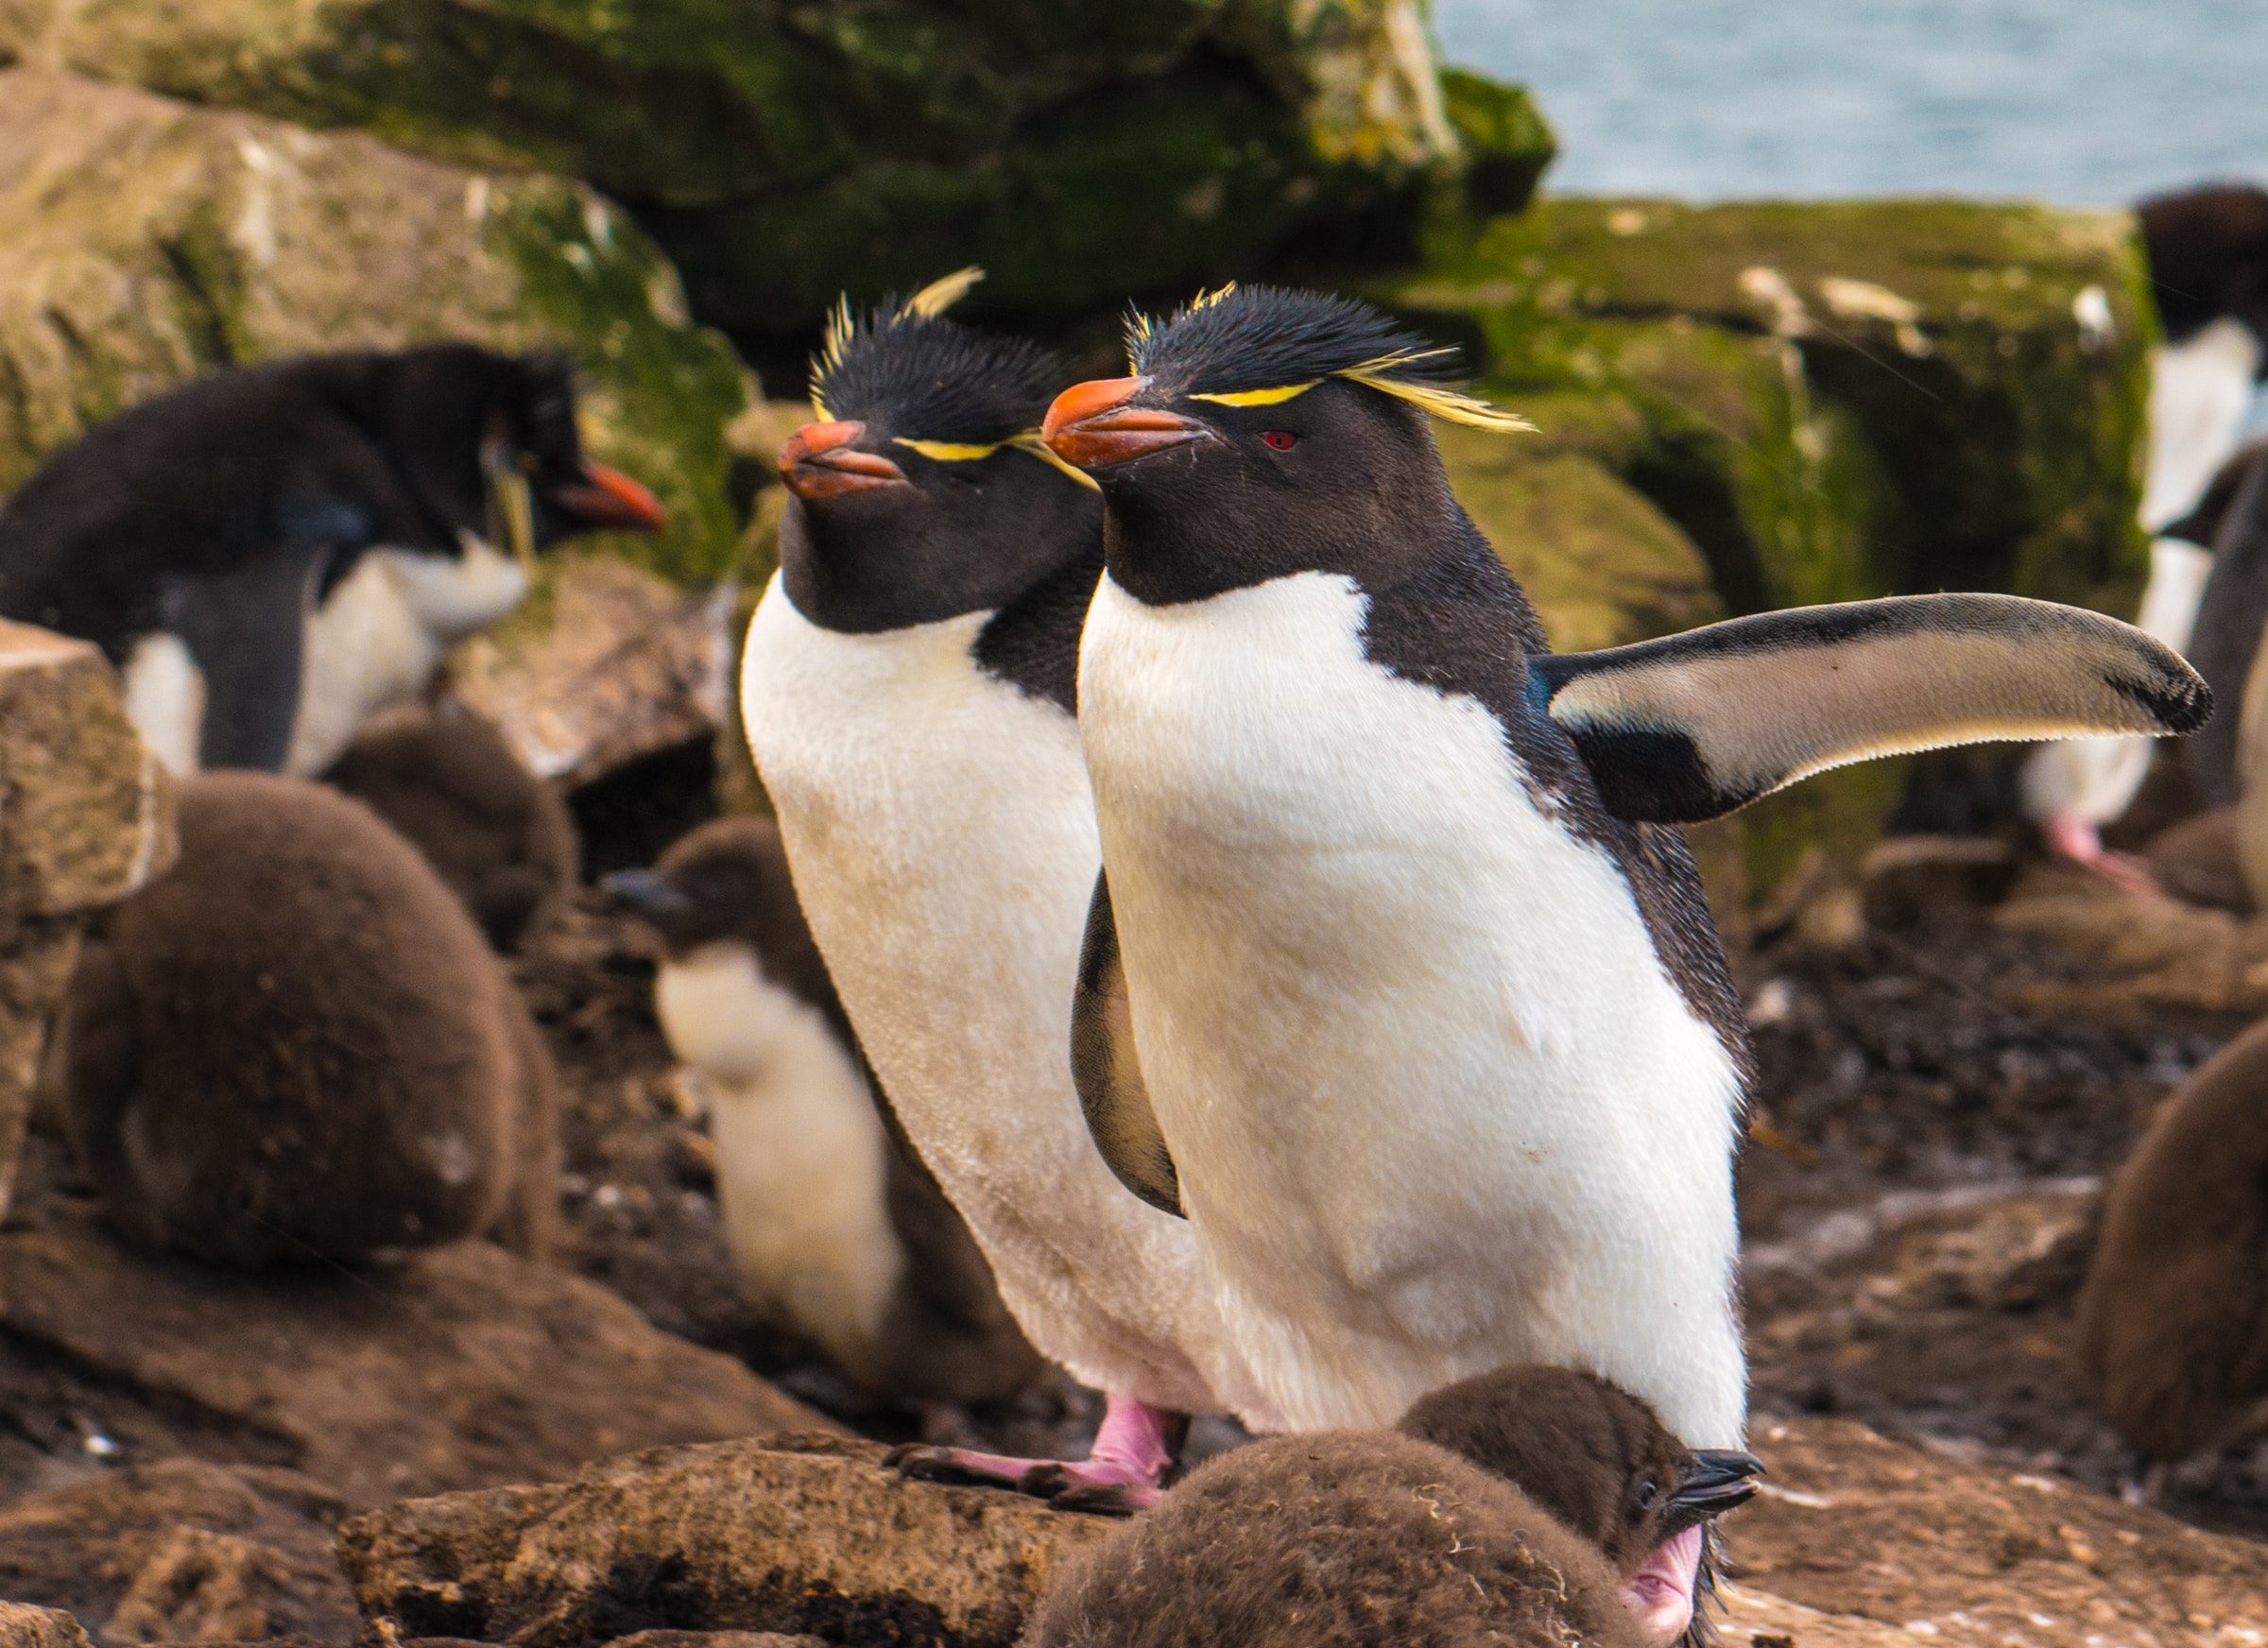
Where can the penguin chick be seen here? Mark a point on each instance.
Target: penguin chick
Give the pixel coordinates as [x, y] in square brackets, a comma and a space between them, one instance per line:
[1406, 1541]
[834, 1224]
[908, 692]
[2173, 1313]
[1600, 1460]
[295, 1045]
[500, 836]
[272, 554]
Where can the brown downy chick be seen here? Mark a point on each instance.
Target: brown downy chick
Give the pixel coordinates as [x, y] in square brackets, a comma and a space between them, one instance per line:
[834, 1223]
[1597, 1458]
[2174, 1315]
[500, 836]
[1379, 1539]
[295, 1045]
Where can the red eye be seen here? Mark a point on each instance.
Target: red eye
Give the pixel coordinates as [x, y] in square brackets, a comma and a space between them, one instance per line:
[1281, 439]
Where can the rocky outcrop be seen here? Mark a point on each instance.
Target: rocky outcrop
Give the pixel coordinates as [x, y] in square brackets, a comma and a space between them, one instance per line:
[182, 1551]
[462, 1368]
[85, 818]
[1856, 1540]
[785, 1536]
[25, 1626]
[148, 240]
[781, 154]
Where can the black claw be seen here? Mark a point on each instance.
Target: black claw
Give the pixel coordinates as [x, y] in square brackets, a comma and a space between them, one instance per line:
[919, 1462]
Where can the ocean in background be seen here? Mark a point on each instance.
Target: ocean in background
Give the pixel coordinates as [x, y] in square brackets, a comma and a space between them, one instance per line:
[2082, 102]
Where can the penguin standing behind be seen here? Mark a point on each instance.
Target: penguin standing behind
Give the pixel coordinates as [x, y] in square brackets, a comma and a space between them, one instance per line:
[907, 692]
[1518, 1507]
[833, 1225]
[499, 835]
[1383, 987]
[271, 554]
[295, 1045]
[2208, 251]
[2174, 1314]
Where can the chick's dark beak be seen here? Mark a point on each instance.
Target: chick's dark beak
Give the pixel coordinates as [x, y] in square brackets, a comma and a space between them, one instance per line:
[820, 462]
[608, 498]
[1720, 1479]
[644, 892]
[1091, 427]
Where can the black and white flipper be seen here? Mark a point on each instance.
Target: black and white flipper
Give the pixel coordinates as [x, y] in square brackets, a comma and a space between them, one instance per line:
[1694, 726]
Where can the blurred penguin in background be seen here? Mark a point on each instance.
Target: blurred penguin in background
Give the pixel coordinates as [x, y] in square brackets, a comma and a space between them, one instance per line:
[1520, 1506]
[837, 1229]
[2174, 1314]
[499, 835]
[294, 1045]
[2208, 249]
[271, 554]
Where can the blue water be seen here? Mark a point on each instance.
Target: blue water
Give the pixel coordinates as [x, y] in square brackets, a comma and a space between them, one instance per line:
[2083, 102]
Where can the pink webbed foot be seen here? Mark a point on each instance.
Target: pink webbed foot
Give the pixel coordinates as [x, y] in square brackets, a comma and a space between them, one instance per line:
[1120, 1475]
[2080, 842]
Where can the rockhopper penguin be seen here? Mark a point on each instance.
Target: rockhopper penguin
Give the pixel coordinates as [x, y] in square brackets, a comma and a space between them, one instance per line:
[1518, 1507]
[907, 692]
[272, 554]
[295, 1045]
[1396, 985]
[2207, 251]
[835, 1227]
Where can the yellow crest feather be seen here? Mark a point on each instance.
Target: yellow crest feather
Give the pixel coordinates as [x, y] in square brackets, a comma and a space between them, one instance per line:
[1438, 399]
[1030, 441]
[1259, 397]
[939, 296]
[949, 450]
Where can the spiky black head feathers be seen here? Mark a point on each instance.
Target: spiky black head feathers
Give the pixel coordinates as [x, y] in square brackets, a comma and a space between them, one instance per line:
[903, 367]
[1257, 345]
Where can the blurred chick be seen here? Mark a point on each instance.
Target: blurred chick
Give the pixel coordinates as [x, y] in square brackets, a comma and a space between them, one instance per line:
[834, 1226]
[295, 1045]
[500, 836]
[2174, 1314]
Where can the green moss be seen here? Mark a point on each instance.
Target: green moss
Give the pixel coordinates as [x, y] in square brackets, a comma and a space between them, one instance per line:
[1507, 141]
[658, 394]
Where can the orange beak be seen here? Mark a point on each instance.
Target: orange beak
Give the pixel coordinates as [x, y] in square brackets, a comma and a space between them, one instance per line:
[1091, 427]
[820, 462]
[609, 498]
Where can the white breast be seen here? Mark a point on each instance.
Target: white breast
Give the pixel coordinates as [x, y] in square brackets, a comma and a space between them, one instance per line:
[381, 635]
[1436, 1104]
[799, 1148]
[942, 840]
[165, 699]
[2199, 393]
[2094, 780]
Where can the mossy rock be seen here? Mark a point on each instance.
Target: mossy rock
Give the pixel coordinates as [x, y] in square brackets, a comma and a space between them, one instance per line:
[782, 154]
[1832, 400]
[1895, 395]
[149, 241]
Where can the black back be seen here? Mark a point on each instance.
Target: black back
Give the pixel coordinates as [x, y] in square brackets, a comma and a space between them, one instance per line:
[2230, 614]
[2209, 257]
[300, 464]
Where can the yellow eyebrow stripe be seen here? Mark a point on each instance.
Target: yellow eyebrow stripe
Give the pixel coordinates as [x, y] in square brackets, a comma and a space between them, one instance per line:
[1259, 397]
[948, 451]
